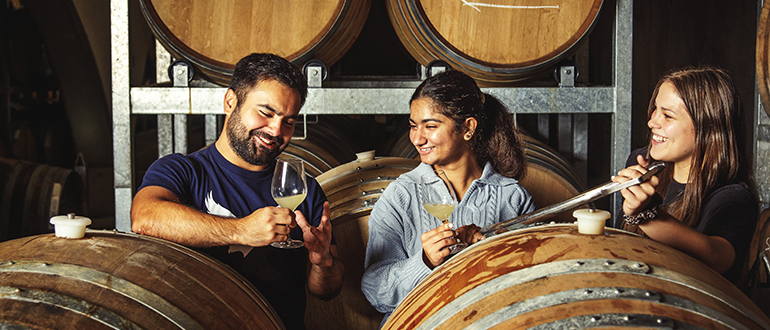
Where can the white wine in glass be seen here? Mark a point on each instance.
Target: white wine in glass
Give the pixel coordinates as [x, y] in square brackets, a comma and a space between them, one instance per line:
[289, 189]
[290, 202]
[438, 198]
[440, 211]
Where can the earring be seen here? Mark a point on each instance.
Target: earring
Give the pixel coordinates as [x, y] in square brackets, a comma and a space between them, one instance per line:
[468, 135]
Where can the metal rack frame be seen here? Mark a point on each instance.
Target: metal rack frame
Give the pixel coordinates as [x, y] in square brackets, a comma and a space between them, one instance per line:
[180, 101]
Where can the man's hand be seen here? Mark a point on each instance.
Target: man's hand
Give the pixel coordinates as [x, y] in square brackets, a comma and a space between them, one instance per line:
[266, 225]
[317, 240]
[327, 271]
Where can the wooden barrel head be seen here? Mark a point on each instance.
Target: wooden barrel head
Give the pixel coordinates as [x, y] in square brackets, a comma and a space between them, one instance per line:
[214, 35]
[117, 280]
[496, 42]
[546, 276]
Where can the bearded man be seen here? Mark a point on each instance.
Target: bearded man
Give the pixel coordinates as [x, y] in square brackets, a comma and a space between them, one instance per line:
[218, 199]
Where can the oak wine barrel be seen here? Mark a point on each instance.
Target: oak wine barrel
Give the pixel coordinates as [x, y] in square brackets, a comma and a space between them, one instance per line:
[552, 277]
[498, 43]
[352, 189]
[214, 35]
[32, 193]
[112, 280]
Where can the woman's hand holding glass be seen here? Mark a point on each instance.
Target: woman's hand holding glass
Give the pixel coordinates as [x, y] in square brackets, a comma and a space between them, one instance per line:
[436, 241]
[439, 199]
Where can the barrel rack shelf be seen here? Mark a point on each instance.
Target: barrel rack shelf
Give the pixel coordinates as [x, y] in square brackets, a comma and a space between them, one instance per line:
[177, 102]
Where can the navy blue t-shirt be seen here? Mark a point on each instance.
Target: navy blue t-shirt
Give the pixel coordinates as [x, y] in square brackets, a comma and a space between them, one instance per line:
[206, 181]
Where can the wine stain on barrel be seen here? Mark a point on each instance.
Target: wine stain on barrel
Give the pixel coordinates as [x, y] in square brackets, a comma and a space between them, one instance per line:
[616, 256]
[653, 249]
[470, 316]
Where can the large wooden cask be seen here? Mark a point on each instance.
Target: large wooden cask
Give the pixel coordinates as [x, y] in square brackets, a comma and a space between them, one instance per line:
[552, 277]
[353, 189]
[214, 35]
[494, 41]
[111, 280]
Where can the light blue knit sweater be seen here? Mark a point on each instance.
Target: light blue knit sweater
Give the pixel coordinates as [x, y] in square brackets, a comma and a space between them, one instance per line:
[394, 264]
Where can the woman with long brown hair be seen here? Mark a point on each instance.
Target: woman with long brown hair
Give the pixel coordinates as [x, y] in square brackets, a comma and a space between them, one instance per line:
[470, 136]
[704, 203]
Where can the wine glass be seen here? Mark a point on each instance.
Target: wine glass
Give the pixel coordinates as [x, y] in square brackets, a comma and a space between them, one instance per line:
[438, 198]
[289, 189]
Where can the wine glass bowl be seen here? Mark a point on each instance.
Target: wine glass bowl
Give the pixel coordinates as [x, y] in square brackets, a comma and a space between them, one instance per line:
[439, 199]
[289, 189]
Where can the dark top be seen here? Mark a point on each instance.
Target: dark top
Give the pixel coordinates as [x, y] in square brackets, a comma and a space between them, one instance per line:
[730, 212]
[206, 181]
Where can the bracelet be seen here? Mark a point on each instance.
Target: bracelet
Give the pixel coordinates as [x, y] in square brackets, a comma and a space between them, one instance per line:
[645, 215]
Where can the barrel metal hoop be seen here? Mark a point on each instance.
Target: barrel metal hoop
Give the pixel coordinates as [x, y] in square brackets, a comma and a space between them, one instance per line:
[600, 293]
[366, 195]
[107, 281]
[616, 320]
[363, 204]
[375, 166]
[567, 267]
[360, 182]
[81, 307]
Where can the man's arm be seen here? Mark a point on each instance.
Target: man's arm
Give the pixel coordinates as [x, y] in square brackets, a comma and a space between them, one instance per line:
[157, 212]
[325, 281]
[326, 271]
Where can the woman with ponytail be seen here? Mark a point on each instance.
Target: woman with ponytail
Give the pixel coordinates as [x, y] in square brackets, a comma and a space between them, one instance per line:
[704, 203]
[471, 137]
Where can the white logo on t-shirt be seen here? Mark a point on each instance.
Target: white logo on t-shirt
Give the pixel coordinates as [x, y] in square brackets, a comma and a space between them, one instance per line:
[214, 208]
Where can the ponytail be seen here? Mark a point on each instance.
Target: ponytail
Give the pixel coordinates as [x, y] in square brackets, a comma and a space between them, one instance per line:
[497, 141]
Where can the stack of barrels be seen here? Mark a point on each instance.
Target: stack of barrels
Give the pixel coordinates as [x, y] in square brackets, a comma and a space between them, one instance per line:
[32, 193]
[497, 44]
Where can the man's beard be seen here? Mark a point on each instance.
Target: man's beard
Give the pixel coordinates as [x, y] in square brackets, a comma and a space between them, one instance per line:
[244, 145]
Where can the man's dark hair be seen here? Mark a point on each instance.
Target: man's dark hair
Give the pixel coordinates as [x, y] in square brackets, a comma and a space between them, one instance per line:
[258, 67]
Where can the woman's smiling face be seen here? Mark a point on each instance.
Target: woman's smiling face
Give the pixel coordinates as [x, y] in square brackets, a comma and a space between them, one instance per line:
[672, 129]
[434, 135]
